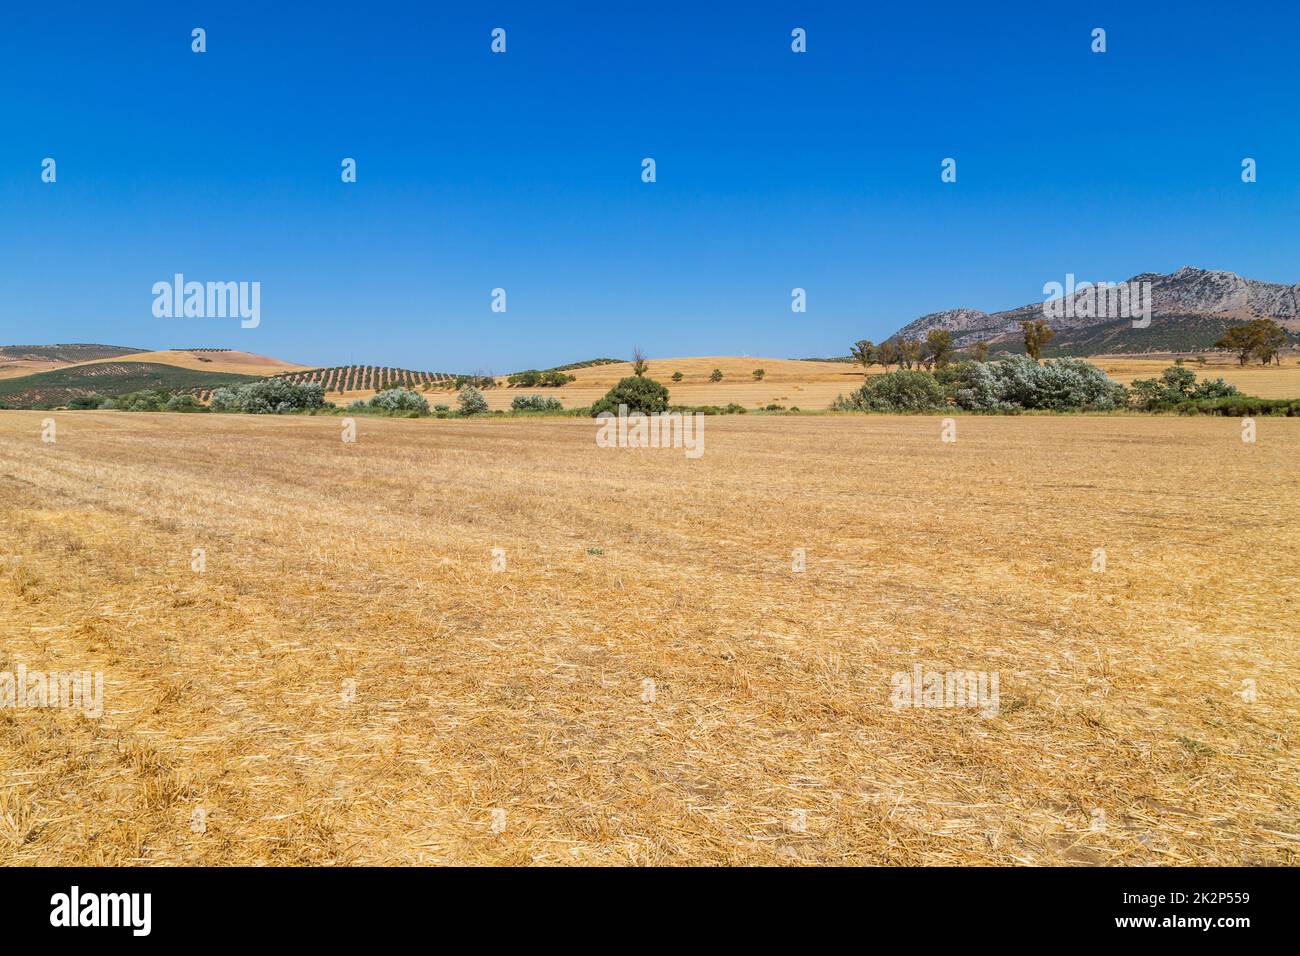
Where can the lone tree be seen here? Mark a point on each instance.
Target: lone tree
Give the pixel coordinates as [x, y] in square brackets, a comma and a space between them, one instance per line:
[471, 401]
[909, 352]
[716, 376]
[758, 374]
[980, 351]
[886, 355]
[639, 394]
[1037, 334]
[864, 353]
[938, 347]
[638, 363]
[1258, 338]
[677, 376]
[1271, 341]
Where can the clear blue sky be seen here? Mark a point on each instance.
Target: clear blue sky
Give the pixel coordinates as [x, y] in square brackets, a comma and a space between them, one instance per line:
[522, 170]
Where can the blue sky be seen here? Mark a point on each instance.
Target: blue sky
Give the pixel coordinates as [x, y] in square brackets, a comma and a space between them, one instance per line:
[522, 170]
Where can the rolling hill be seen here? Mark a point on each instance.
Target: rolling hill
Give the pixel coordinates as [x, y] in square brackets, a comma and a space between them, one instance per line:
[216, 360]
[107, 378]
[47, 376]
[18, 360]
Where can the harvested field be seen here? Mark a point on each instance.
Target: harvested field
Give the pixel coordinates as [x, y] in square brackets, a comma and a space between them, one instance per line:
[787, 382]
[1262, 381]
[807, 385]
[347, 681]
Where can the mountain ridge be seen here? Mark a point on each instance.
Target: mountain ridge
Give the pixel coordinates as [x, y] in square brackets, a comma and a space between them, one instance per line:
[1187, 292]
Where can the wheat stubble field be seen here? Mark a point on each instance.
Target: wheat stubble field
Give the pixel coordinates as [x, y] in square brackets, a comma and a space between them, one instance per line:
[524, 690]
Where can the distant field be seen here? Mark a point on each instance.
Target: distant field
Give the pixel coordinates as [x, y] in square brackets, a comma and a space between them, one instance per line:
[814, 385]
[1264, 381]
[224, 360]
[647, 681]
[117, 377]
[788, 382]
[17, 360]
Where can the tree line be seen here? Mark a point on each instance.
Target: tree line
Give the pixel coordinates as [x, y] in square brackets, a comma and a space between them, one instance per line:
[1260, 339]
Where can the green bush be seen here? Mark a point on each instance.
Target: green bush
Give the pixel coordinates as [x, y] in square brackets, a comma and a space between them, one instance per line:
[471, 401]
[533, 378]
[223, 400]
[270, 396]
[1214, 388]
[400, 400]
[638, 393]
[85, 401]
[901, 391]
[535, 403]
[185, 403]
[1175, 386]
[146, 400]
[1066, 384]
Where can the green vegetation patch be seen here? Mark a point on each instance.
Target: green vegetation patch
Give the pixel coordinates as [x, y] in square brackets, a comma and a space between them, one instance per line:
[107, 379]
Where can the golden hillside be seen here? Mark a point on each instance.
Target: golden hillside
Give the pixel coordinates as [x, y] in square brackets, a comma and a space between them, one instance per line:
[215, 360]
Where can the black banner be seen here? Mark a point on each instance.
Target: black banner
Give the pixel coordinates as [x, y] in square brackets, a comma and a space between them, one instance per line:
[337, 906]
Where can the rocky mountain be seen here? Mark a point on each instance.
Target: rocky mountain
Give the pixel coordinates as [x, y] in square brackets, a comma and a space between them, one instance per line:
[1191, 300]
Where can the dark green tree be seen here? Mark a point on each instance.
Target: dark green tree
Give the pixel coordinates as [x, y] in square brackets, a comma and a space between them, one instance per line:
[638, 393]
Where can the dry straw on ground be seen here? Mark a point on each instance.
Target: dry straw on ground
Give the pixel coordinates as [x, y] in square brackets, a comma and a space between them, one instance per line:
[522, 691]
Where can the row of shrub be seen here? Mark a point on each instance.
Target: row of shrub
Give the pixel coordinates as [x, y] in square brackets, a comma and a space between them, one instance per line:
[533, 378]
[1175, 386]
[1062, 385]
[393, 401]
[278, 396]
[730, 408]
[1240, 406]
[269, 396]
[535, 403]
[470, 401]
[146, 400]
